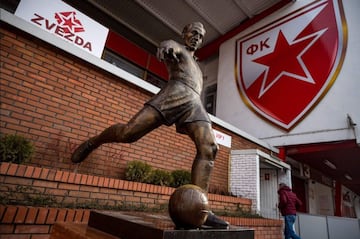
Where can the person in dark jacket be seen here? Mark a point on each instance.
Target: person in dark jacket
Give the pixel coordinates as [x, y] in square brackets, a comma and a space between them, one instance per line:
[288, 203]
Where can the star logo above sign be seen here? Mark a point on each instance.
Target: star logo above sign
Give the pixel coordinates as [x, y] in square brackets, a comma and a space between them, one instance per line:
[284, 69]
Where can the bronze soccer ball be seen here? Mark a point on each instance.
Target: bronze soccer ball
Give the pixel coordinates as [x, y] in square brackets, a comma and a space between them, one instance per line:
[188, 207]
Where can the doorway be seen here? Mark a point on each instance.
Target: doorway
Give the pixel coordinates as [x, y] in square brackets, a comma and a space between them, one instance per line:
[268, 193]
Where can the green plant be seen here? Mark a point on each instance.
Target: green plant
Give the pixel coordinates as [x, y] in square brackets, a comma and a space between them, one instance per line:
[15, 148]
[160, 177]
[137, 171]
[180, 177]
[220, 190]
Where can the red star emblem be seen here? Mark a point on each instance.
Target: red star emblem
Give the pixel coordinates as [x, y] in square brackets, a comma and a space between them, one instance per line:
[69, 22]
[292, 65]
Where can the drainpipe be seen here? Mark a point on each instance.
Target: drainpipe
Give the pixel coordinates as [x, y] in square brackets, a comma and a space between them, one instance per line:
[354, 127]
[338, 197]
[282, 154]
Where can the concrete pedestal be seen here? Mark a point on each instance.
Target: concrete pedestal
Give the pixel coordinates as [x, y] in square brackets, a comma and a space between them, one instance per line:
[131, 225]
[67, 230]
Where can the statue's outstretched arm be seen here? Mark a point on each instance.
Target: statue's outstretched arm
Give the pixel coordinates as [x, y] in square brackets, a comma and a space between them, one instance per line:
[169, 51]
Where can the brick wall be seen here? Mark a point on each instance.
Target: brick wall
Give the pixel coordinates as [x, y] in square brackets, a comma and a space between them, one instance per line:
[22, 183]
[57, 100]
[23, 222]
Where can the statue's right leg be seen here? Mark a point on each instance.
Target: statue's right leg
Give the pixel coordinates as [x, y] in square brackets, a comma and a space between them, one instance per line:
[142, 123]
[202, 135]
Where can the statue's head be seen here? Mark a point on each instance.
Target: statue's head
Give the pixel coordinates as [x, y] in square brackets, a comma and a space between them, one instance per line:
[193, 34]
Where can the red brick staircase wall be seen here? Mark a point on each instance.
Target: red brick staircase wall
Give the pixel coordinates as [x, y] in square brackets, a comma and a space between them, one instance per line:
[19, 221]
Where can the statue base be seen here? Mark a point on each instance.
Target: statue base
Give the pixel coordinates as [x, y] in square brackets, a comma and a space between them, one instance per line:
[134, 225]
[66, 230]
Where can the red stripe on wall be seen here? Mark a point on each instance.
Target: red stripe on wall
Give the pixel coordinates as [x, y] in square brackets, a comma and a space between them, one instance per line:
[136, 54]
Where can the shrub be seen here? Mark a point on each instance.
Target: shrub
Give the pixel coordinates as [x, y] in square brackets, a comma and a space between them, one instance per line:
[15, 149]
[220, 190]
[160, 177]
[137, 171]
[180, 177]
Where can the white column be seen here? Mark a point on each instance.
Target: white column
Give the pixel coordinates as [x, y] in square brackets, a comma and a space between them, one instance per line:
[245, 176]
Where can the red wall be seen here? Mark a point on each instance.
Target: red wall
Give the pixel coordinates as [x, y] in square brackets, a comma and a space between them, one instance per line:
[135, 54]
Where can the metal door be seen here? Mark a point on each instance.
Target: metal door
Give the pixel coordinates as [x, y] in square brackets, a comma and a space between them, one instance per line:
[268, 193]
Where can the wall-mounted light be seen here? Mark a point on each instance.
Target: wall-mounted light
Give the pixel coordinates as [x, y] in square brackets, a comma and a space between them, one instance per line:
[329, 164]
[347, 176]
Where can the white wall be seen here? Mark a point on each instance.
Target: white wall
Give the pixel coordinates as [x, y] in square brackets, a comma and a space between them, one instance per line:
[327, 227]
[244, 176]
[327, 120]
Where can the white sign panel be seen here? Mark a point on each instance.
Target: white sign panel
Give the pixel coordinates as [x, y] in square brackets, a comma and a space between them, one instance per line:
[222, 138]
[66, 22]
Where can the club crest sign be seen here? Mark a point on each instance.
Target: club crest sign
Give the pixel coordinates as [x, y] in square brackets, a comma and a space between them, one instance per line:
[285, 68]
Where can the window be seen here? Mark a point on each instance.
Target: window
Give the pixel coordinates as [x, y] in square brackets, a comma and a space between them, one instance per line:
[133, 68]
[210, 99]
